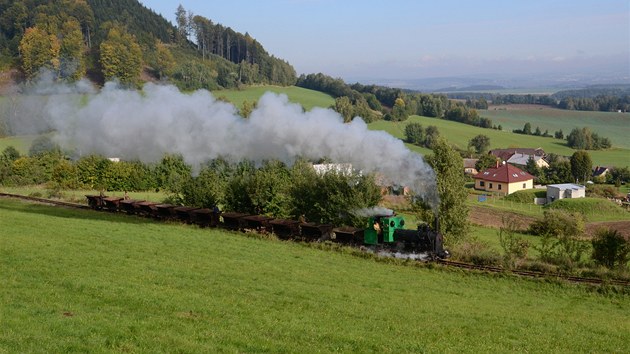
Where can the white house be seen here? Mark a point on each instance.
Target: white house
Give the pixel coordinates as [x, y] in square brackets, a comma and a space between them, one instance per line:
[521, 160]
[565, 190]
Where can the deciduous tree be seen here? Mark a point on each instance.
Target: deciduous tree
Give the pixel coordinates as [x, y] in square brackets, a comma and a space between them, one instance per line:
[39, 50]
[121, 56]
[581, 166]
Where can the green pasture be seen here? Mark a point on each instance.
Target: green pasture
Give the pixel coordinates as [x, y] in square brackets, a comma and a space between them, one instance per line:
[613, 125]
[459, 134]
[84, 281]
[21, 143]
[307, 98]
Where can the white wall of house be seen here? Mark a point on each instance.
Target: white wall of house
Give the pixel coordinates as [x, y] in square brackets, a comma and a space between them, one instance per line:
[503, 188]
[563, 191]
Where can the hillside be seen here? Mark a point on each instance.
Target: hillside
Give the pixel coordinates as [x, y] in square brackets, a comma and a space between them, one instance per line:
[75, 38]
[137, 286]
[459, 134]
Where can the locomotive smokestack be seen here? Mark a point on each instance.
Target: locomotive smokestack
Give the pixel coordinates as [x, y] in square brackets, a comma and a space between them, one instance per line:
[437, 223]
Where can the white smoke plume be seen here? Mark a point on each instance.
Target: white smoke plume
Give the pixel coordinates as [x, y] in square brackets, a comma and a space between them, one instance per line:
[376, 211]
[160, 119]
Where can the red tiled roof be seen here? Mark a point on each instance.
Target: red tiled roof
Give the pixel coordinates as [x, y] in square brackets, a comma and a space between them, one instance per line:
[504, 173]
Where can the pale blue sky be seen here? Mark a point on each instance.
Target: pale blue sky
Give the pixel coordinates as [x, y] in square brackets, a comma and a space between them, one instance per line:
[409, 39]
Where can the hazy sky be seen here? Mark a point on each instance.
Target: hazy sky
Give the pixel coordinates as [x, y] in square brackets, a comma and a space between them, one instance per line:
[357, 39]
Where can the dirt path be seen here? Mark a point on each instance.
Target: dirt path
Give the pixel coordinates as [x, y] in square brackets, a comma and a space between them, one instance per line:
[622, 226]
[494, 218]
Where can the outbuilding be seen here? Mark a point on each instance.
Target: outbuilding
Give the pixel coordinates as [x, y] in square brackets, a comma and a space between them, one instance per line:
[565, 190]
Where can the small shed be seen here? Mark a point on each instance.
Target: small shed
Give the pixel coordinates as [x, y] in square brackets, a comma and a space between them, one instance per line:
[565, 190]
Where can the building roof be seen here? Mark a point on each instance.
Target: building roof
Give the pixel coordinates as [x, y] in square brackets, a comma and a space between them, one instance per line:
[505, 154]
[470, 163]
[505, 173]
[600, 171]
[521, 159]
[340, 168]
[565, 186]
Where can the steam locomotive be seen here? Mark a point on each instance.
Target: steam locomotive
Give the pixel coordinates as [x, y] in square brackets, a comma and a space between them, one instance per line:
[389, 230]
[383, 231]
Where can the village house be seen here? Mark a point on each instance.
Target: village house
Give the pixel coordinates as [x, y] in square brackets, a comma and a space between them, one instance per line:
[503, 179]
[469, 166]
[522, 159]
[600, 172]
[505, 154]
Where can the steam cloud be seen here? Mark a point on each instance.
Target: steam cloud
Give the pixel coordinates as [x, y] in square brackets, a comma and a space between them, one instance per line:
[161, 119]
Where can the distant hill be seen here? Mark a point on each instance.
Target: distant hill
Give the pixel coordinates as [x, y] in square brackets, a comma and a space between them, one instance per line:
[66, 37]
[472, 88]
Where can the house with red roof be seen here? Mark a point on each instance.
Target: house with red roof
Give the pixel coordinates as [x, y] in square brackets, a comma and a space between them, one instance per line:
[503, 179]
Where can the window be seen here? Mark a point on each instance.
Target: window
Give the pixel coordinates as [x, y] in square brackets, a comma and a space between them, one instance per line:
[524, 185]
[482, 183]
[490, 185]
[500, 185]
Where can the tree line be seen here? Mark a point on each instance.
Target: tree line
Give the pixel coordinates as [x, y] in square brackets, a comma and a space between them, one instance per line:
[594, 99]
[119, 39]
[271, 188]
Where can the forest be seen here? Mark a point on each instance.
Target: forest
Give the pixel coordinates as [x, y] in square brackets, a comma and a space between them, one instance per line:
[593, 98]
[122, 39]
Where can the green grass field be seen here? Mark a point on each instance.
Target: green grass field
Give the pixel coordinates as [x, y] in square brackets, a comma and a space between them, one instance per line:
[459, 134]
[615, 126]
[83, 281]
[21, 143]
[307, 98]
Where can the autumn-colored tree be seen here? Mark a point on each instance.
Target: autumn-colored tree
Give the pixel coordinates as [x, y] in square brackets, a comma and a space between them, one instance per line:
[72, 47]
[164, 62]
[121, 56]
[39, 50]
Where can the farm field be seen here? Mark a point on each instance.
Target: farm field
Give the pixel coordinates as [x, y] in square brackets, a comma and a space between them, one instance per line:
[613, 125]
[459, 134]
[307, 98]
[77, 281]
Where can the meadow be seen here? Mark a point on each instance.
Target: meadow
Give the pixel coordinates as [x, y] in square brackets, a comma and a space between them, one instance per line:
[459, 134]
[79, 281]
[613, 125]
[307, 98]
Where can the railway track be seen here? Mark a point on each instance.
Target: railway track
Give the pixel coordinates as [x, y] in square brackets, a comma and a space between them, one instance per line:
[454, 264]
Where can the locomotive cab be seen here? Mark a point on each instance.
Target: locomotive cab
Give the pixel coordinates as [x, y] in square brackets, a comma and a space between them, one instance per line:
[381, 229]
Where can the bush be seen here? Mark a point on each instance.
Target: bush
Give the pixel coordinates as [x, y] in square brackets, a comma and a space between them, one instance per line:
[610, 248]
[526, 196]
[514, 246]
[561, 234]
[476, 252]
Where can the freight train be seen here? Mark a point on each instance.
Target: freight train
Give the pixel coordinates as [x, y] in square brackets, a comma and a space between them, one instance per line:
[382, 232]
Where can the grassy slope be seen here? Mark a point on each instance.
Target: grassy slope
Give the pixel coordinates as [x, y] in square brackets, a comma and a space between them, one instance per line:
[460, 134]
[307, 98]
[615, 126]
[87, 281]
[21, 143]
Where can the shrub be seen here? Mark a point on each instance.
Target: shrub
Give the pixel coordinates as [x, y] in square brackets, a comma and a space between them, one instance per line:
[610, 248]
[514, 246]
[476, 252]
[561, 234]
[526, 196]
